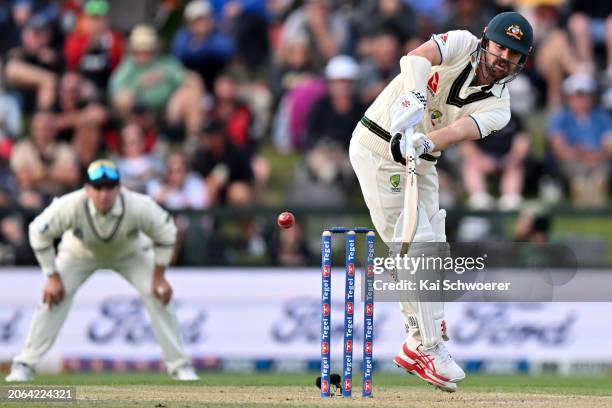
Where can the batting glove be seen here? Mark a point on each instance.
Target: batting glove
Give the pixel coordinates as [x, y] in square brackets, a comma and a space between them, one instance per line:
[407, 111]
[399, 142]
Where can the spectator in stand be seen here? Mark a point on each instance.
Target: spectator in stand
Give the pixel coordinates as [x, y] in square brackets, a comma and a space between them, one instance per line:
[34, 68]
[503, 153]
[333, 118]
[379, 67]
[590, 24]
[327, 31]
[288, 246]
[181, 189]
[327, 170]
[554, 55]
[200, 46]
[235, 115]
[17, 13]
[44, 167]
[136, 166]
[395, 17]
[97, 50]
[581, 142]
[14, 238]
[247, 22]
[238, 121]
[10, 124]
[226, 169]
[159, 83]
[471, 15]
[80, 116]
[293, 65]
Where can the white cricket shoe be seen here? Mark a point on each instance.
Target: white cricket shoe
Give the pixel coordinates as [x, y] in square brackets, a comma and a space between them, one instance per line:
[185, 373]
[434, 365]
[20, 372]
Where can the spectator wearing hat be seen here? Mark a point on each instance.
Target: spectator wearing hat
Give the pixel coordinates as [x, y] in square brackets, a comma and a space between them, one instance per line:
[330, 124]
[199, 45]
[333, 117]
[96, 50]
[44, 167]
[33, 68]
[581, 142]
[158, 83]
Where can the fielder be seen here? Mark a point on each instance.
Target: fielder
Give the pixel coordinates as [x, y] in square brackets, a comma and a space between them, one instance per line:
[103, 226]
[450, 89]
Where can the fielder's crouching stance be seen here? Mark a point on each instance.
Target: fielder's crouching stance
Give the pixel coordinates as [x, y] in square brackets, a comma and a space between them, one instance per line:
[450, 89]
[103, 226]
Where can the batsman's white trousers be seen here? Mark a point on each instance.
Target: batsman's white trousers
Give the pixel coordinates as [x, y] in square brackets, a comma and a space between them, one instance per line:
[137, 270]
[382, 185]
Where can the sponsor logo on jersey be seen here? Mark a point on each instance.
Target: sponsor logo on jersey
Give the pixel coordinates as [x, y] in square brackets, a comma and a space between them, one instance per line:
[514, 31]
[443, 37]
[395, 180]
[432, 84]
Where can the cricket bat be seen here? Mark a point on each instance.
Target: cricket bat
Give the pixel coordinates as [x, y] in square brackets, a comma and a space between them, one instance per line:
[411, 197]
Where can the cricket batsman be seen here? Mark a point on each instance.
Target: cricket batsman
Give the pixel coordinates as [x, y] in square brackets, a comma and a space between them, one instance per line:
[451, 88]
[103, 226]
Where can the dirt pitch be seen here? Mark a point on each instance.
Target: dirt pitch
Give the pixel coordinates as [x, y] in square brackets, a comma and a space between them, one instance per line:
[129, 390]
[231, 396]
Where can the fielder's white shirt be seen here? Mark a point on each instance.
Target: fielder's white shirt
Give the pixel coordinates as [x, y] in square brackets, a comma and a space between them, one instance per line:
[134, 223]
[449, 94]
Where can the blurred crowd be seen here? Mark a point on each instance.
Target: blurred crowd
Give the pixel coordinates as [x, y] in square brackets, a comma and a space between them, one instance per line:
[185, 96]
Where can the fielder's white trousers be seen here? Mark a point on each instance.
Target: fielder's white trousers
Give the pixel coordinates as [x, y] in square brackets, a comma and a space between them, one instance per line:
[138, 271]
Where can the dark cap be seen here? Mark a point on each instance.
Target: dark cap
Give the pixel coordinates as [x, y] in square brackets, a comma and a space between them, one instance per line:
[511, 30]
[102, 172]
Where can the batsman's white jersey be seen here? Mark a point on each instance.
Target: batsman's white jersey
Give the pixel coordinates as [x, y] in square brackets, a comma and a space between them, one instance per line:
[130, 239]
[449, 97]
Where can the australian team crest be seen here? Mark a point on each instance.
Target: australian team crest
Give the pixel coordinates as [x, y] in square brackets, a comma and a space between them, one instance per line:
[436, 117]
[395, 180]
[514, 31]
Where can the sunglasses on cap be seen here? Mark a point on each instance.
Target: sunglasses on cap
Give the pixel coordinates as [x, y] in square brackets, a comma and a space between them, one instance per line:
[102, 174]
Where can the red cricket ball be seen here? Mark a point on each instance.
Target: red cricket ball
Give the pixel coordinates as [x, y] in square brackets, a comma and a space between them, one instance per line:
[286, 220]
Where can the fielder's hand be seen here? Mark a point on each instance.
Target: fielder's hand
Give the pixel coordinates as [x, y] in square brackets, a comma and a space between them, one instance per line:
[54, 290]
[162, 289]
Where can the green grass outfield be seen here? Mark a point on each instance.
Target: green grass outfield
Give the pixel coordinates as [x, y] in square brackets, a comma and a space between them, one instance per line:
[288, 389]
